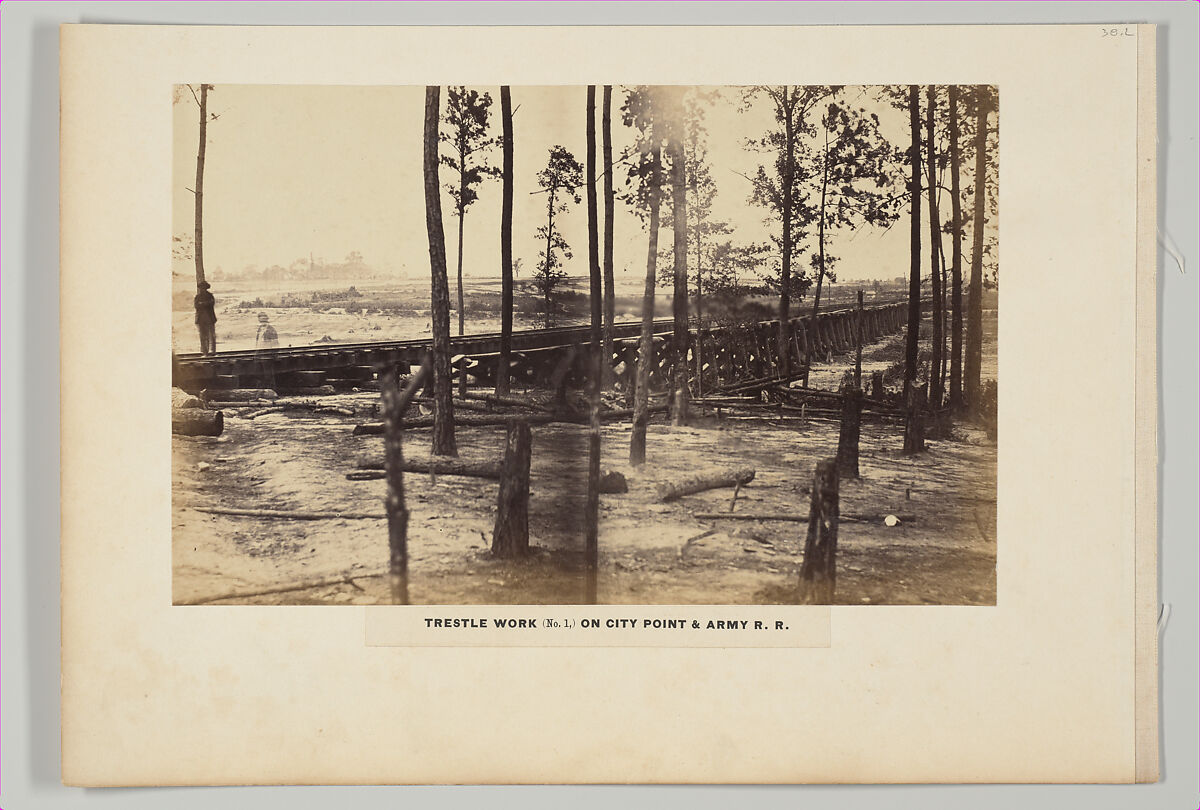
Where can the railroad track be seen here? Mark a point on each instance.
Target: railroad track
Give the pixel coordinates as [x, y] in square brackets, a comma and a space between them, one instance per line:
[194, 371]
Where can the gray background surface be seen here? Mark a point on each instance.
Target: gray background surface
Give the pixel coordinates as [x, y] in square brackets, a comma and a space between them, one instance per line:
[29, 638]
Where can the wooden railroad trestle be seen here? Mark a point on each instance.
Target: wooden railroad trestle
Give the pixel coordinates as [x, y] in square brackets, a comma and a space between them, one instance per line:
[728, 353]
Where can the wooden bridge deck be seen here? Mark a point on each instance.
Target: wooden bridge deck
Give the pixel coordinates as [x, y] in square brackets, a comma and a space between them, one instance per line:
[726, 353]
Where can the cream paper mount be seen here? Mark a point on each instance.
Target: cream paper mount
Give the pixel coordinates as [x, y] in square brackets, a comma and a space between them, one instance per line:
[1055, 682]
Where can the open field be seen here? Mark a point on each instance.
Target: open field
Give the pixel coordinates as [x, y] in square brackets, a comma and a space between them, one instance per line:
[942, 552]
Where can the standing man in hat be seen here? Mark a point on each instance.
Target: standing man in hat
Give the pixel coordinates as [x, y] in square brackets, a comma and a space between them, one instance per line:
[206, 318]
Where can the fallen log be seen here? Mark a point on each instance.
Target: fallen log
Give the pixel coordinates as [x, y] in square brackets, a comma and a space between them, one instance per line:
[793, 394]
[506, 399]
[197, 422]
[459, 405]
[307, 391]
[625, 413]
[761, 382]
[287, 515]
[466, 420]
[497, 420]
[300, 406]
[304, 585]
[801, 410]
[441, 466]
[239, 394]
[674, 490]
[795, 518]
[748, 404]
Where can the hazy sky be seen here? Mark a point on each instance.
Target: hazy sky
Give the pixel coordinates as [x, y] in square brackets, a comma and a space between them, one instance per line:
[294, 170]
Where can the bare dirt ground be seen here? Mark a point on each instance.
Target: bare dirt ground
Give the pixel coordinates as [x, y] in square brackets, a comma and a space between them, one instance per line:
[942, 552]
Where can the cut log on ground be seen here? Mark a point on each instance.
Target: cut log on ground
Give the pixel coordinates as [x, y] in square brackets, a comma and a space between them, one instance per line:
[442, 465]
[310, 407]
[795, 517]
[674, 490]
[460, 404]
[288, 515]
[509, 399]
[472, 420]
[239, 394]
[480, 420]
[760, 383]
[803, 394]
[197, 422]
[307, 391]
[305, 585]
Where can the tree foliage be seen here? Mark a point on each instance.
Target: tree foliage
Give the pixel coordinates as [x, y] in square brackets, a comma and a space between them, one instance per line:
[779, 185]
[850, 175]
[464, 133]
[642, 111]
[560, 181]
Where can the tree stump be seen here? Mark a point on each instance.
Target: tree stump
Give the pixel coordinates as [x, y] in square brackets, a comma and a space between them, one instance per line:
[847, 454]
[818, 575]
[914, 419]
[877, 385]
[510, 537]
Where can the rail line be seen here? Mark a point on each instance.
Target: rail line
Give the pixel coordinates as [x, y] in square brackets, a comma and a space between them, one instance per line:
[532, 350]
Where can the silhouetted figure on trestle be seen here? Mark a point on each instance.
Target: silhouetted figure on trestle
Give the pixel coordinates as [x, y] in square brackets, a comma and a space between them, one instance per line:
[206, 318]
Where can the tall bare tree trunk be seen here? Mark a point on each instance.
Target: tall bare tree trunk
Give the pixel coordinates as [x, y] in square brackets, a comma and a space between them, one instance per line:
[443, 408]
[945, 304]
[914, 270]
[680, 370]
[461, 212]
[785, 275]
[462, 374]
[956, 318]
[548, 268]
[935, 366]
[200, 185]
[821, 228]
[698, 349]
[592, 506]
[975, 295]
[641, 392]
[506, 258]
[610, 303]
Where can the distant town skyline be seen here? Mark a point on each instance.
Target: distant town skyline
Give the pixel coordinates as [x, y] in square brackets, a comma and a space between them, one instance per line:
[327, 171]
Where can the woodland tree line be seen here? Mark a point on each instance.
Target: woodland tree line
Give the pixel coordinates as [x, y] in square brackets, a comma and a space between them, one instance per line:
[825, 167]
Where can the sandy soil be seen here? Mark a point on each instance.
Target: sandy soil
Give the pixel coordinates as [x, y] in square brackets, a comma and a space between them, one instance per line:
[651, 553]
